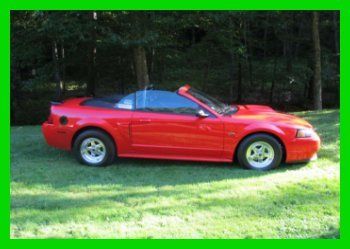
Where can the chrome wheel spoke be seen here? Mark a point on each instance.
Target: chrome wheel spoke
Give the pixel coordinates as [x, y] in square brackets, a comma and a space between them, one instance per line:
[252, 158]
[260, 154]
[93, 150]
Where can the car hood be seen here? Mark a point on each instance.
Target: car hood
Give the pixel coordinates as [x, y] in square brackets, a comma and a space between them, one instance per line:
[267, 114]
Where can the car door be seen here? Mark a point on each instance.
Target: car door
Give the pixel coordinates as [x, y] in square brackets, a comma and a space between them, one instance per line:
[165, 124]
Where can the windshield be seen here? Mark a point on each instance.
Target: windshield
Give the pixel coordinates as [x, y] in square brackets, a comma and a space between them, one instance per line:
[213, 103]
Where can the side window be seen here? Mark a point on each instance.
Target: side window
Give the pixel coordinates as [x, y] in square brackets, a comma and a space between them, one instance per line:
[126, 103]
[163, 101]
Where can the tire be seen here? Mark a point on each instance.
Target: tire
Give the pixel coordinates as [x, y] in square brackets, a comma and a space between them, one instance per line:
[94, 148]
[260, 152]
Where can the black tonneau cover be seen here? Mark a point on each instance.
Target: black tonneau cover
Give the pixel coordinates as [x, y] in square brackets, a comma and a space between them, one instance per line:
[106, 102]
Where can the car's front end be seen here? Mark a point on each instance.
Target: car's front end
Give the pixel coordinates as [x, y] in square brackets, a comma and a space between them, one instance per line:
[304, 146]
[299, 137]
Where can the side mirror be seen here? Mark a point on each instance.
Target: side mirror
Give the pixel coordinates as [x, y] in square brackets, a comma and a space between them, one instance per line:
[202, 114]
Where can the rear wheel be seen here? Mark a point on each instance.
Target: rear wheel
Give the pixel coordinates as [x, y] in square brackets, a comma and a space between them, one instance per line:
[260, 152]
[94, 148]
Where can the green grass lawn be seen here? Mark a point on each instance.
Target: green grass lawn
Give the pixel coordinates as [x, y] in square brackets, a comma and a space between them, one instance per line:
[52, 196]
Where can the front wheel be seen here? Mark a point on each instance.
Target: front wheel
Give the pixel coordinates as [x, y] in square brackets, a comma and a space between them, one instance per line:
[94, 148]
[260, 152]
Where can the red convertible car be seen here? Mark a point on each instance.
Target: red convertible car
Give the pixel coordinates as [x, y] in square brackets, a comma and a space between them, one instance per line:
[182, 125]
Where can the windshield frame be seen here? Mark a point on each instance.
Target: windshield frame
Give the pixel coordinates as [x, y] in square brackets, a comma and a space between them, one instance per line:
[213, 104]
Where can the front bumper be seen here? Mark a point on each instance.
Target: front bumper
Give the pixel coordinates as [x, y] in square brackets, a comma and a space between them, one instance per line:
[303, 149]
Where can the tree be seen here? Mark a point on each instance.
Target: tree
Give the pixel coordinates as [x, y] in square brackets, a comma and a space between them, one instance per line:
[316, 83]
[57, 73]
[273, 82]
[254, 57]
[138, 38]
[141, 66]
[92, 50]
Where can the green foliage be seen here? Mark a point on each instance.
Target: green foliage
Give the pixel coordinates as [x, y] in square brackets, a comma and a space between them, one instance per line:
[52, 196]
[201, 48]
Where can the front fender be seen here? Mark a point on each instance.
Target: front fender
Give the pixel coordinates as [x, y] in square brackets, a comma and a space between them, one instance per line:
[261, 127]
[241, 132]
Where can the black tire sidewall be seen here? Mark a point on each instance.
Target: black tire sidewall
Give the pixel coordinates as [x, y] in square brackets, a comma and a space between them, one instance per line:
[110, 148]
[275, 144]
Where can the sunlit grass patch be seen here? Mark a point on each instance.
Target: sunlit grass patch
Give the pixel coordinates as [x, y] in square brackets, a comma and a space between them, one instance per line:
[53, 196]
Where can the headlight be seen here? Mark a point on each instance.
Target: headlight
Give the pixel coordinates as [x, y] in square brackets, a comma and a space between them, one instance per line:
[304, 133]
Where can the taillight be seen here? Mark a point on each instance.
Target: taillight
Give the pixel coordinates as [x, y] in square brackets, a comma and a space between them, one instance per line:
[50, 118]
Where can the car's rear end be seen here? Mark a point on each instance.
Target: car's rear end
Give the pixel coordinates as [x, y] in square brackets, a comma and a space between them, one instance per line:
[58, 129]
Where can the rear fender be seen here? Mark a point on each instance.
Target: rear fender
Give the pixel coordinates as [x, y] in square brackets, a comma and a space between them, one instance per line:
[121, 139]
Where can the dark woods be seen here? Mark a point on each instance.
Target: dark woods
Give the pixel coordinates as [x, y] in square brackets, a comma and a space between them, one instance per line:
[289, 60]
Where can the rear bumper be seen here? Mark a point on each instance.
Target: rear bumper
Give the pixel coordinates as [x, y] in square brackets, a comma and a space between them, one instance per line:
[303, 149]
[56, 136]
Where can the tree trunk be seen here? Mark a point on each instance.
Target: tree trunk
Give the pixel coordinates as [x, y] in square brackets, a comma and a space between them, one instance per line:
[248, 44]
[288, 54]
[273, 82]
[193, 36]
[141, 68]
[336, 49]
[57, 74]
[265, 39]
[231, 69]
[206, 70]
[336, 31]
[317, 83]
[91, 82]
[299, 38]
[250, 68]
[15, 90]
[63, 69]
[239, 79]
[308, 84]
[152, 66]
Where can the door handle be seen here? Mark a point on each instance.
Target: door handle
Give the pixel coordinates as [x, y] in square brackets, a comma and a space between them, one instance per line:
[144, 121]
[204, 127]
